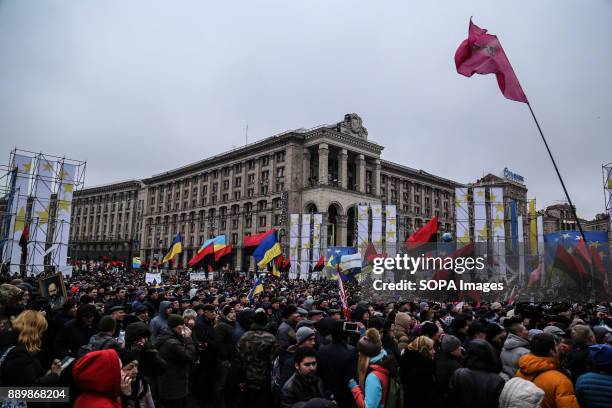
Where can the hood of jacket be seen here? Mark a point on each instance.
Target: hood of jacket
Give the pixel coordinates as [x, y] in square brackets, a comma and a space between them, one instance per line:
[531, 365]
[520, 393]
[513, 341]
[99, 372]
[163, 306]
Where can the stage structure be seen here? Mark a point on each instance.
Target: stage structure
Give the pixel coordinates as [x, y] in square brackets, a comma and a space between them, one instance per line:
[36, 211]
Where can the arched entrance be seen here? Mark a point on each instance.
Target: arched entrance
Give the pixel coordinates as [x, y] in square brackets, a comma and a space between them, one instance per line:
[333, 215]
[351, 221]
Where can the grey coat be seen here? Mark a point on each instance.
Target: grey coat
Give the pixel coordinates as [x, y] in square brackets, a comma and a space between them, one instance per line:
[514, 348]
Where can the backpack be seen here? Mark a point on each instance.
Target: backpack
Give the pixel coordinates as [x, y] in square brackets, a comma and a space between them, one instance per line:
[393, 396]
[89, 347]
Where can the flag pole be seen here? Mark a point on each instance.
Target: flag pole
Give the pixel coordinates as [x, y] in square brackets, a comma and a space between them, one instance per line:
[558, 174]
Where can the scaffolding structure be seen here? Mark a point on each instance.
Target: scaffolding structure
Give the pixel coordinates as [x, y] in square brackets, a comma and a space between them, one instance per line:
[35, 210]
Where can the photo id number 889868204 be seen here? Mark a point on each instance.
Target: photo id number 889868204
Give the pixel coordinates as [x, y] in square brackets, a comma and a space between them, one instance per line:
[35, 394]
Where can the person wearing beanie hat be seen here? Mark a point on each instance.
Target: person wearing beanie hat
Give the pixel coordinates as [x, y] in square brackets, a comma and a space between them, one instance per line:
[449, 360]
[176, 346]
[107, 324]
[403, 325]
[373, 370]
[224, 332]
[602, 334]
[594, 389]
[305, 336]
[255, 352]
[77, 332]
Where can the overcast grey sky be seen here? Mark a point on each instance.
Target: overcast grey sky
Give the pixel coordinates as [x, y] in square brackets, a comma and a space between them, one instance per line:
[140, 87]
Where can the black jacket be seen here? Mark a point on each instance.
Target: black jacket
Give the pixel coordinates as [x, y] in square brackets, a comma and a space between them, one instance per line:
[224, 332]
[72, 336]
[337, 363]
[179, 353]
[417, 375]
[20, 368]
[446, 365]
[479, 384]
[298, 389]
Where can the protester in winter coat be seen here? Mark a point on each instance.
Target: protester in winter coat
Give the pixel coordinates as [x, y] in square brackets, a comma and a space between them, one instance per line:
[138, 347]
[304, 384]
[256, 350]
[160, 321]
[577, 359]
[286, 330]
[417, 373]
[479, 378]
[177, 348]
[594, 389]
[224, 331]
[77, 332]
[515, 346]
[520, 393]
[447, 362]
[18, 351]
[337, 363]
[102, 340]
[541, 366]
[98, 375]
[374, 369]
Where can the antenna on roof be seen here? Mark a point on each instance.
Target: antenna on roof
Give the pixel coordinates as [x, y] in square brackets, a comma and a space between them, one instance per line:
[246, 135]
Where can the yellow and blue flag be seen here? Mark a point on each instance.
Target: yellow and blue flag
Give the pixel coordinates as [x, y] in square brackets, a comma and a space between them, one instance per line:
[267, 250]
[175, 248]
[256, 289]
[136, 263]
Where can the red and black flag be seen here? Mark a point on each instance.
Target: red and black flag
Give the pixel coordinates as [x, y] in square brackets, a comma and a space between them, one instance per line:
[427, 233]
[320, 264]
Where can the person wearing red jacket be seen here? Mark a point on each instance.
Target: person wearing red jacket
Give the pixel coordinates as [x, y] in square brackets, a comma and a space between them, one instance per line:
[98, 375]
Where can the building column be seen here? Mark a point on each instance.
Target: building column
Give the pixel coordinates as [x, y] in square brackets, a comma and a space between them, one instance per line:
[306, 168]
[361, 173]
[342, 169]
[376, 178]
[323, 161]
[341, 232]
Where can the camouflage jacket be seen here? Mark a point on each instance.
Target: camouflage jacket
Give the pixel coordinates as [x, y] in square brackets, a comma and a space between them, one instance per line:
[255, 352]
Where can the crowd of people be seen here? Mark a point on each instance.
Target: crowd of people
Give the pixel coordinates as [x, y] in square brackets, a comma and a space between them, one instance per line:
[116, 342]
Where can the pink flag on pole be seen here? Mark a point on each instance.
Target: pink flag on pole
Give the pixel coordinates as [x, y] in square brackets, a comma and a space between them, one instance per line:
[482, 53]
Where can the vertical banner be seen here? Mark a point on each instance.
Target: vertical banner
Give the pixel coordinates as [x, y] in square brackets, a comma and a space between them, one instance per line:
[377, 238]
[521, 250]
[498, 231]
[65, 191]
[462, 215]
[294, 244]
[317, 236]
[305, 246]
[39, 226]
[390, 230]
[513, 227]
[533, 229]
[480, 215]
[540, 223]
[362, 227]
[23, 166]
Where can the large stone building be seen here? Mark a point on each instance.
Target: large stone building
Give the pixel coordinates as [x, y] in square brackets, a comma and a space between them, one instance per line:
[328, 169]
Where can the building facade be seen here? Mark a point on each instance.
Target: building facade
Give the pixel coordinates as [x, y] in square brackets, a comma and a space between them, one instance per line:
[328, 169]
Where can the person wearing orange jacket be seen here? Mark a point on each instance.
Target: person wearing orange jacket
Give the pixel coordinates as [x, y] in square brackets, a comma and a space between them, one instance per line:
[541, 366]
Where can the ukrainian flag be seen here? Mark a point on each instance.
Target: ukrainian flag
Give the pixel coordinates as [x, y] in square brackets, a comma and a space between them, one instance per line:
[268, 249]
[256, 289]
[175, 249]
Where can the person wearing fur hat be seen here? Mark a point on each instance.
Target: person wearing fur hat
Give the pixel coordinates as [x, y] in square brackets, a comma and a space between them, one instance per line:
[177, 348]
[374, 369]
[256, 350]
[594, 389]
[417, 373]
